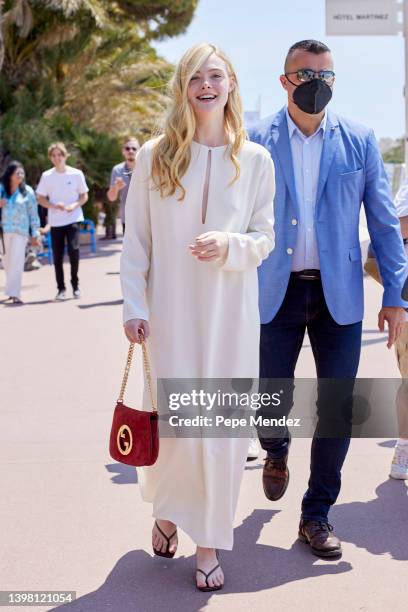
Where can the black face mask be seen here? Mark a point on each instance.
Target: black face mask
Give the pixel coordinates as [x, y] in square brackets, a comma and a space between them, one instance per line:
[313, 96]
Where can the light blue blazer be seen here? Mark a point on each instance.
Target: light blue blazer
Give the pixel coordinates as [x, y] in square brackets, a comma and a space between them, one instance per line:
[351, 172]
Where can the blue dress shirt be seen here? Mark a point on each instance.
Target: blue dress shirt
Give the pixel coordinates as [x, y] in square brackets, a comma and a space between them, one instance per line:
[306, 154]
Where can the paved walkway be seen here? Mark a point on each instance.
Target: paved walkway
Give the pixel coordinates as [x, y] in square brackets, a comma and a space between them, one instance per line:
[72, 519]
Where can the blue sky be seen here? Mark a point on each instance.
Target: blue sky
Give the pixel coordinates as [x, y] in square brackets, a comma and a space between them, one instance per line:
[256, 35]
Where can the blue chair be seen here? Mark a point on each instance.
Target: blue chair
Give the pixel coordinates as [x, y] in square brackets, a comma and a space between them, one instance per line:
[88, 227]
[48, 247]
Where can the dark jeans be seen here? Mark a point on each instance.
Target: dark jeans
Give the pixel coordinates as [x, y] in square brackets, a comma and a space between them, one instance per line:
[336, 350]
[59, 236]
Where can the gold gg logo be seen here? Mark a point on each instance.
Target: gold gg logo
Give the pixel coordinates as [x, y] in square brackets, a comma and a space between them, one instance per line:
[124, 440]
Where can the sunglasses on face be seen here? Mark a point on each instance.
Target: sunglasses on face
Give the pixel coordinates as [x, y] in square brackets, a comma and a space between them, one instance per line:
[306, 74]
[20, 173]
[130, 148]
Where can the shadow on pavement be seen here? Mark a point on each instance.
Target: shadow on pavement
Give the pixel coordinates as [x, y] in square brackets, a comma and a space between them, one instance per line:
[140, 583]
[99, 253]
[377, 525]
[124, 474]
[97, 304]
[375, 341]
[41, 302]
[388, 444]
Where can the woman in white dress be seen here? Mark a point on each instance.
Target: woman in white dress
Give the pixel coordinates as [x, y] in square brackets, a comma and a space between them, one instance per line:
[199, 221]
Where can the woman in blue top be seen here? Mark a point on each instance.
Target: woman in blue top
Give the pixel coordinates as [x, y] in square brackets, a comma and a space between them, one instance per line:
[19, 214]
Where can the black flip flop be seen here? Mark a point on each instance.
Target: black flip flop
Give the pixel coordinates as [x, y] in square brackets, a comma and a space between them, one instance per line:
[166, 553]
[208, 587]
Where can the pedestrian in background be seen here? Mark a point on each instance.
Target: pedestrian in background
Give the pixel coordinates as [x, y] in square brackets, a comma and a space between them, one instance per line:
[19, 217]
[63, 190]
[399, 464]
[120, 178]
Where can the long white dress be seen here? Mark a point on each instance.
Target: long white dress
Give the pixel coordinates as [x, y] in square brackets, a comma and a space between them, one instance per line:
[203, 317]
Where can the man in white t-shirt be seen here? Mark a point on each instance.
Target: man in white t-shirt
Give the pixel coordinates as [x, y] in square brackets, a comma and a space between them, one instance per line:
[63, 190]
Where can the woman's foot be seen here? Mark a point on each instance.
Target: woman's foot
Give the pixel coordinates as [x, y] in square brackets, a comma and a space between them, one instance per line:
[17, 300]
[164, 537]
[209, 575]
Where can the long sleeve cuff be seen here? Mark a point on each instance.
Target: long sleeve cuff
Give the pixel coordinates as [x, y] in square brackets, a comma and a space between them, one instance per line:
[132, 312]
[392, 298]
[246, 251]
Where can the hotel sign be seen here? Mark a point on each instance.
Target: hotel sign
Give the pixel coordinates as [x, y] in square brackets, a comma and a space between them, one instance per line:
[361, 17]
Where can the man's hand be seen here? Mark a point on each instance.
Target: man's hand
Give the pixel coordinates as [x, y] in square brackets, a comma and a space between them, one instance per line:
[3, 202]
[119, 183]
[395, 317]
[211, 246]
[70, 207]
[135, 327]
[35, 242]
[59, 206]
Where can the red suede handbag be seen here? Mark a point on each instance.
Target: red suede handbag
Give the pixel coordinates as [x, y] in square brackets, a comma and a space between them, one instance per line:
[134, 438]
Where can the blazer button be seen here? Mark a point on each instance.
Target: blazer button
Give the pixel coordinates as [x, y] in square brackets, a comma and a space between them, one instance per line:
[289, 251]
[294, 221]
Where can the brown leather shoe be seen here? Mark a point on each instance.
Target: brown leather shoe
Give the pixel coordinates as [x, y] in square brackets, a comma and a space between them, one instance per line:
[275, 477]
[320, 537]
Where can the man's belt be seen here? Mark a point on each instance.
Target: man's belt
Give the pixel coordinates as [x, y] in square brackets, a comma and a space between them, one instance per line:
[307, 275]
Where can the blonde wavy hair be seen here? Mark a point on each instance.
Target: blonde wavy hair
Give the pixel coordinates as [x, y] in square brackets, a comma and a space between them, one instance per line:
[171, 154]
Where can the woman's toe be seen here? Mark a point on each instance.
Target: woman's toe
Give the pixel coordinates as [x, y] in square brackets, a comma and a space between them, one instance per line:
[173, 546]
[219, 577]
[159, 544]
[157, 541]
[200, 580]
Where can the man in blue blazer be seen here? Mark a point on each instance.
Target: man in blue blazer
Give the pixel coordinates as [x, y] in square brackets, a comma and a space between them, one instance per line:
[326, 166]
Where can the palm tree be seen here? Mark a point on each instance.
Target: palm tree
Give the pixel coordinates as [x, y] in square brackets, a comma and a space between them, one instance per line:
[1, 35]
[83, 71]
[43, 37]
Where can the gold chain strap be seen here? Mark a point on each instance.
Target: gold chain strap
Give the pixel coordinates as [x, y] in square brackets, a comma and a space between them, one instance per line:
[146, 365]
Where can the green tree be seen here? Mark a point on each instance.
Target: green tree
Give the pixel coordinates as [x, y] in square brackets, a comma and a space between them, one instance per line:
[1, 35]
[83, 71]
[396, 154]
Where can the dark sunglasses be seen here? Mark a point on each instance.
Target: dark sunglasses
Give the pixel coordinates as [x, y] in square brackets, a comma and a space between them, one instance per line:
[306, 74]
[130, 148]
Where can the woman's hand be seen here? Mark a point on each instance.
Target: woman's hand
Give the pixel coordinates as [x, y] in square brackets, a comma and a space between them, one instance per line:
[134, 328]
[35, 242]
[3, 202]
[211, 246]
